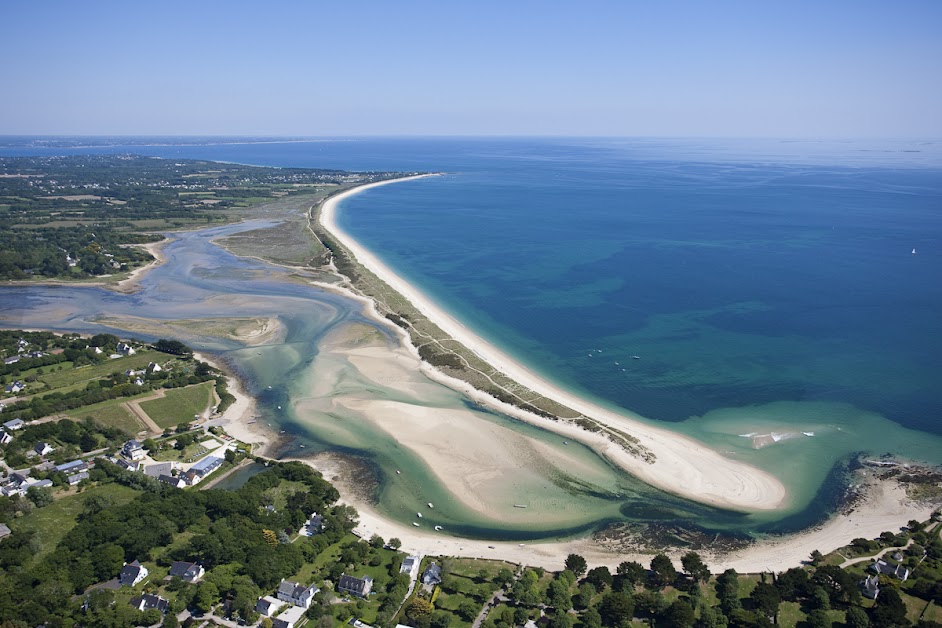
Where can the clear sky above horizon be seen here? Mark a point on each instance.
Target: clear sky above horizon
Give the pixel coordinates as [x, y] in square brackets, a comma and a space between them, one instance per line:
[767, 69]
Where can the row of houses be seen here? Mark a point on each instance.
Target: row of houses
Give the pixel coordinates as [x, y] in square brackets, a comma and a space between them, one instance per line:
[19, 482]
[870, 586]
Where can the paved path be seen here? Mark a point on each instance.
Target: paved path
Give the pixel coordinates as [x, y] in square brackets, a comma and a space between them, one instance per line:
[880, 554]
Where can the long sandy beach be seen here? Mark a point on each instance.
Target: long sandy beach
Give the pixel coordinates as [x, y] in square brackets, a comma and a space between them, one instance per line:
[682, 466]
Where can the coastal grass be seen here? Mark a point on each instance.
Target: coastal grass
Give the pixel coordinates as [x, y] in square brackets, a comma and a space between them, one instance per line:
[179, 405]
[51, 523]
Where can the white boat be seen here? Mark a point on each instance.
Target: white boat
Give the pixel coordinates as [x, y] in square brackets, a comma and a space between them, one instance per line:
[398, 472]
[636, 357]
[438, 528]
[419, 515]
[415, 524]
[279, 407]
[430, 505]
[914, 251]
[520, 505]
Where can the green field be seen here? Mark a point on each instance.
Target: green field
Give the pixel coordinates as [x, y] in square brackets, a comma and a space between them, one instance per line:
[180, 404]
[51, 523]
[112, 413]
[84, 374]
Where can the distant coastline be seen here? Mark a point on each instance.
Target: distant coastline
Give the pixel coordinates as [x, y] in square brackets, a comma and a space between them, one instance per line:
[669, 461]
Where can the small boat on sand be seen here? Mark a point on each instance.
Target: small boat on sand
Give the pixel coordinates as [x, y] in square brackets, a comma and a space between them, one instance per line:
[415, 523]
[520, 505]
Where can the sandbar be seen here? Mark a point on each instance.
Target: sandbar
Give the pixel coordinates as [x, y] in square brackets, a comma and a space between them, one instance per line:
[682, 466]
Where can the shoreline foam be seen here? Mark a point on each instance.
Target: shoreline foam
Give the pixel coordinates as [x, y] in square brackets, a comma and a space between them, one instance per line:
[682, 466]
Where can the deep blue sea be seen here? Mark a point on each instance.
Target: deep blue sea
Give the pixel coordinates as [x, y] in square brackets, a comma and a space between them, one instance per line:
[743, 274]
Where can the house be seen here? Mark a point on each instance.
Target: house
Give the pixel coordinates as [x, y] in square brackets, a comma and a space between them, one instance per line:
[206, 466]
[5, 437]
[96, 350]
[890, 569]
[74, 466]
[411, 566]
[132, 573]
[75, 478]
[267, 605]
[153, 367]
[43, 448]
[189, 572]
[4, 530]
[288, 618]
[296, 594]
[147, 601]
[314, 525]
[15, 387]
[355, 586]
[128, 465]
[133, 450]
[432, 575]
[13, 425]
[125, 349]
[11, 360]
[172, 481]
[38, 484]
[138, 381]
[870, 586]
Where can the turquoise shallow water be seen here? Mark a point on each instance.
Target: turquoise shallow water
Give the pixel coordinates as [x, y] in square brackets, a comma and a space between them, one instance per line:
[768, 288]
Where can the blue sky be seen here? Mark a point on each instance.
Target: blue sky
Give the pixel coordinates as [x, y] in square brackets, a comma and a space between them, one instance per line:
[717, 68]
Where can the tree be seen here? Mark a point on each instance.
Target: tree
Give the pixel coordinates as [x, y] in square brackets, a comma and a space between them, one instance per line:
[170, 621]
[39, 496]
[558, 595]
[663, 572]
[576, 564]
[589, 618]
[583, 599]
[88, 442]
[793, 584]
[615, 608]
[727, 590]
[630, 574]
[816, 557]
[679, 614]
[395, 543]
[377, 542]
[560, 620]
[419, 609]
[856, 617]
[467, 610]
[890, 610]
[599, 577]
[818, 618]
[206, 596]
[766, 599]
[695, 567]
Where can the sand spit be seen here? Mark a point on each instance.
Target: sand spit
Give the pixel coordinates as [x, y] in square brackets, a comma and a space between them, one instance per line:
[154, 248]
[682, 466]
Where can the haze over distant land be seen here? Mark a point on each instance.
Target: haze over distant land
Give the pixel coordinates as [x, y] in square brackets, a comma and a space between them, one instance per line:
[799, 69]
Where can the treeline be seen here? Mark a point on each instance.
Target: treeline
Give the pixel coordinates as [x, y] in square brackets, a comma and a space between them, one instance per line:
[243, 545]
[94, 251]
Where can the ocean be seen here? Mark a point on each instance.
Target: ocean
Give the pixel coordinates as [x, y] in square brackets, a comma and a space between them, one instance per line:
[762, 296]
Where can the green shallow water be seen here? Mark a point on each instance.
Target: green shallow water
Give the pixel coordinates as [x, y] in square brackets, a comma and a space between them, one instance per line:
[560, 503]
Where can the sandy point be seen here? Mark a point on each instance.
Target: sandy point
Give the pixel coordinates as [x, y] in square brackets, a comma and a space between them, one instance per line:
[682, 466]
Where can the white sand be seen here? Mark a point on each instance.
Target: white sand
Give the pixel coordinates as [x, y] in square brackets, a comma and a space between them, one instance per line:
[238, 419]
[683, 466]
[155, 249]
[885, 507]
